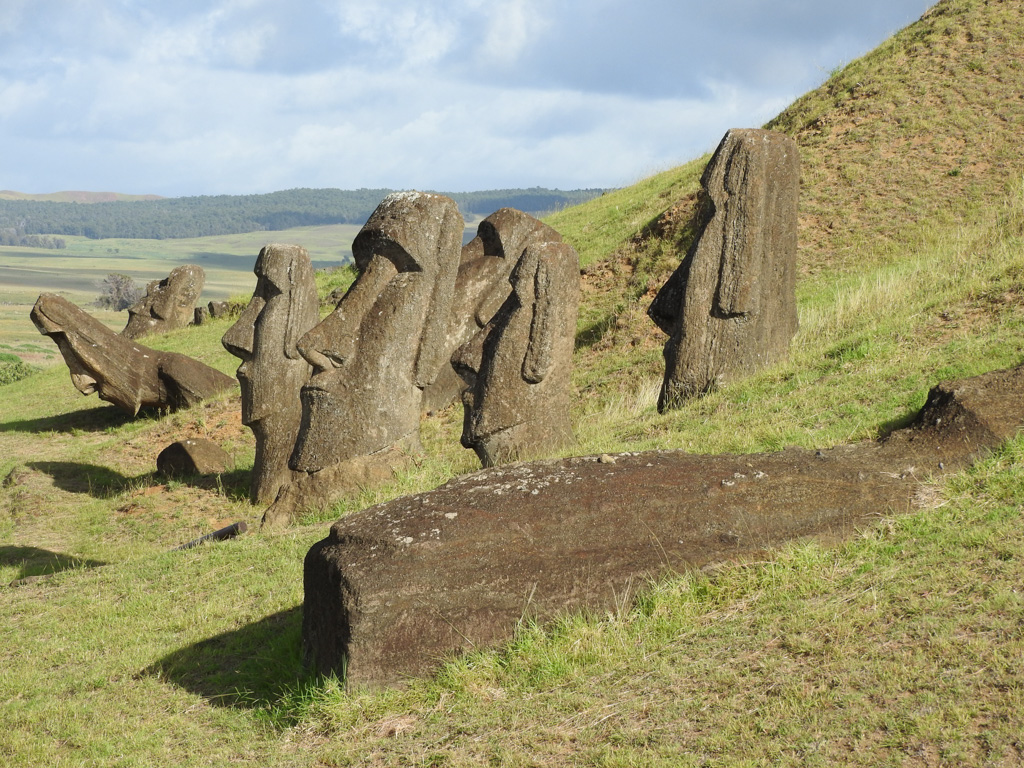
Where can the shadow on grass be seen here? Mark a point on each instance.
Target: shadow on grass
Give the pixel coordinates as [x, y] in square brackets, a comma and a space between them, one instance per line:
[41, 562]
[88, 420]
[76, 477]
[102, 482]
[257, 666]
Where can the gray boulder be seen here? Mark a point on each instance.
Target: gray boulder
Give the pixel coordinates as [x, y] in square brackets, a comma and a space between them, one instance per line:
[193, 456]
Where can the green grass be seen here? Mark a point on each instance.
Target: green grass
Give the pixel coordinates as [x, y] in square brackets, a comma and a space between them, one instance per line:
[899, 647]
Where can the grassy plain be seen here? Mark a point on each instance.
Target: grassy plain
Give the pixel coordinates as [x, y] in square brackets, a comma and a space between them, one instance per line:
[900, 647]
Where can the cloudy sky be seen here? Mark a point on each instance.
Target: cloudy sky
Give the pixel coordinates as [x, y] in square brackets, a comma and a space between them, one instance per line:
[198, 97]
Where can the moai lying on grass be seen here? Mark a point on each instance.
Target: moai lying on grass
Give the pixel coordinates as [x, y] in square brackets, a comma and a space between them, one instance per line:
[375, 353]
[124, 373]
[518, 369]
[481, 287]
[283, 307]
[730, 307]
[169, 304]
[395, 589]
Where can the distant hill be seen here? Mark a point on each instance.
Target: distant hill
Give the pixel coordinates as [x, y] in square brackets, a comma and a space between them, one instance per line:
[181, 217]
[76, 197]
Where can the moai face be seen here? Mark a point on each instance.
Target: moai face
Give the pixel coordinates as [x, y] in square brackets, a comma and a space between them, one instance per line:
[373, 355]
[282, 308]
[168, 303]
[100, 360]
[517, 368]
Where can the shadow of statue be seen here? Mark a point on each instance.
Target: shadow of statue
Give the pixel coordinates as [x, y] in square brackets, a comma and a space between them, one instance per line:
[256, 666]
[33, 561]
[93, 479]
[85, 420]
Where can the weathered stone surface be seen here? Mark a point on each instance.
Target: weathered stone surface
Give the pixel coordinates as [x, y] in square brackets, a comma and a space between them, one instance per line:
[395, 588]
[518, 369]
[202, 315]
[124, 373]
[283, 307]
[481, 287]
[316, 491]
[730, 308]
[218, 309]
[194, 456]
[384, 342]
[168, 304]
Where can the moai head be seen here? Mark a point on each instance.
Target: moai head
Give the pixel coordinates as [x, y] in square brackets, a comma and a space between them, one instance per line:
[482, 286]
[122, 372]
[730, 307]
[265, 337]
[168, 303]
[373, 355]
[517, 369]
[284, 306]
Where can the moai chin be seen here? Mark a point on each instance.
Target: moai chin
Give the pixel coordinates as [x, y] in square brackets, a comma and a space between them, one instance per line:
[730, 307]
[169, 304]
[518, 368]
[284, 305]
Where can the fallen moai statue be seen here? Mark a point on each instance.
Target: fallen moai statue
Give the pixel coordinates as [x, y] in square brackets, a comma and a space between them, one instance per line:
[283, 307]
[169, 304]
[481, 287]
[374, 355]
[730, 307]
[397, 587]
[124, 373]
[518, 369]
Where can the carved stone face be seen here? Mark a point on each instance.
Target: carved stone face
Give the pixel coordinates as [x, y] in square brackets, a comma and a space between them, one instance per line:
[124, 373]
[99, 359]
[517, 368]
[382, 344]
[282, 308]
[168, 303]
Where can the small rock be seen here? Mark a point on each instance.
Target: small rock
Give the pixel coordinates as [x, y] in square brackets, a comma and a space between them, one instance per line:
[192, 457]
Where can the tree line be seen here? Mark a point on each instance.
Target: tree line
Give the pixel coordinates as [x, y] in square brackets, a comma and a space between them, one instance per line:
[16, 236]
[180, 217]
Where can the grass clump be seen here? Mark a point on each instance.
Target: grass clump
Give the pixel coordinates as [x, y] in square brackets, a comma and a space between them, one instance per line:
[13, 368]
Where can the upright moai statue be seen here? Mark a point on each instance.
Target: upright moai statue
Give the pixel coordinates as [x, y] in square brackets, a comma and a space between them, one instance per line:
[375, 353]
[121, 371]
[481, 287]
[518, 368]
[169, 304]
[730, 307]
[283, 307]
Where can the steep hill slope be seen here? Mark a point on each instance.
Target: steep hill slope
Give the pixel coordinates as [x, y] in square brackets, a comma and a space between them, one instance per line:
[900, 148]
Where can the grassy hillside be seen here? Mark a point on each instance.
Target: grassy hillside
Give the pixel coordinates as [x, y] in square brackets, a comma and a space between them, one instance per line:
[900, 647]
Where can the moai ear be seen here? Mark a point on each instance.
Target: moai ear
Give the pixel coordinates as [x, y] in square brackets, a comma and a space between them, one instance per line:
[537, 360]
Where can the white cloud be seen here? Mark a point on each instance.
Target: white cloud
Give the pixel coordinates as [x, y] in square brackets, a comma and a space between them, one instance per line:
[511, 27]
[201, 97]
